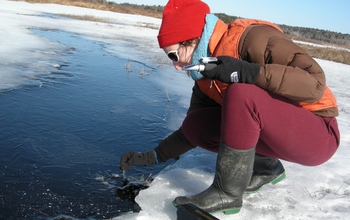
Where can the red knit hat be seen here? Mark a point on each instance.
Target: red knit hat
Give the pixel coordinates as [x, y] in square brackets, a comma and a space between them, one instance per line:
[182, 20]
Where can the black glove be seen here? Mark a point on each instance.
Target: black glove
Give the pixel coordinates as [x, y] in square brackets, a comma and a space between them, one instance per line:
[230, 70]
[137, 159]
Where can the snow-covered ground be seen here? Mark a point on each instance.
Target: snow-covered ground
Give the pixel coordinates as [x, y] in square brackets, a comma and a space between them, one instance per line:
[321, 192]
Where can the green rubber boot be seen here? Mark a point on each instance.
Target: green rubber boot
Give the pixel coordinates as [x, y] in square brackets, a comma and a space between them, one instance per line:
[233, 172]
[266, 170]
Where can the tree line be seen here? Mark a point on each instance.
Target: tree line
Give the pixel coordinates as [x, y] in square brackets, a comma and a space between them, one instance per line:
[302, 33]
[317, 34]
[292, 31]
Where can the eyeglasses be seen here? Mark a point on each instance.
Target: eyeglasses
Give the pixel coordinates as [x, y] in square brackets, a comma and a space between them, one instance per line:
[174, 54]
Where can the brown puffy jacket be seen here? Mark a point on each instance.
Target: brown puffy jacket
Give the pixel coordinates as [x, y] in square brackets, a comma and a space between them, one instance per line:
[282, 64]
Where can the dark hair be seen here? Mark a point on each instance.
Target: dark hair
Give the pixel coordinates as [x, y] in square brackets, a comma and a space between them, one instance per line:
[190, 42]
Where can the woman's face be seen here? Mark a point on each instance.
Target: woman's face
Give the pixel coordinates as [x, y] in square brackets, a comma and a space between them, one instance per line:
[181, 55]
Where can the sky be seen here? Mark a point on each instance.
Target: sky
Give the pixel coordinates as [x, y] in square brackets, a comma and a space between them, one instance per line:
[315, 193]
[326, 14]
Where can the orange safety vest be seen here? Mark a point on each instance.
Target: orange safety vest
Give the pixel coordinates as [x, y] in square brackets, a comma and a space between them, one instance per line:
[216, 89]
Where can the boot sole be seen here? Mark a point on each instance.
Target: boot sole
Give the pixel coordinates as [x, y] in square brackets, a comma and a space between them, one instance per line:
[273, 182]
[228, 211]
[225, 211]
[279, 178]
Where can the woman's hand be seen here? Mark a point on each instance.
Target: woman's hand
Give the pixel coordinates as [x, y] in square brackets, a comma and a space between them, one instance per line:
[137, 159]
[230, 70]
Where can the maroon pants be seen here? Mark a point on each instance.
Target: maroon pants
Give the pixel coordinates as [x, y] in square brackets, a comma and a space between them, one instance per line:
[278, 127]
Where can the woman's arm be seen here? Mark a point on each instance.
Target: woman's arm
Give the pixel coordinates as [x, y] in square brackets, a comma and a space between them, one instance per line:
[286, 69]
